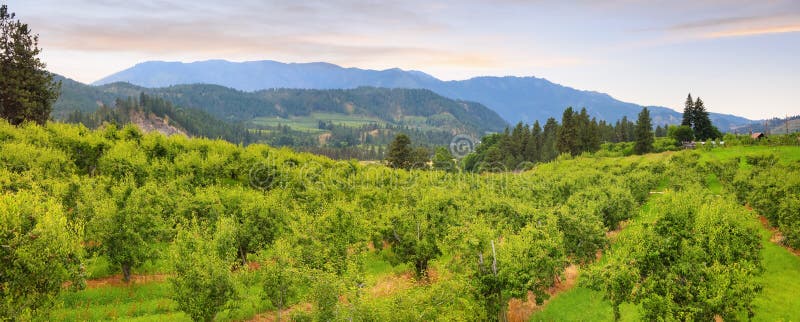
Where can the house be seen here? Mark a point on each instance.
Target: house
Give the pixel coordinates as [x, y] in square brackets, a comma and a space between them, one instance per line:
[757, 135]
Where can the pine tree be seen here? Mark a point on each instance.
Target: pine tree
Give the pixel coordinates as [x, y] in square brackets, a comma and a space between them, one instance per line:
[549, 135]
[644, 134]
[688, 112]
[703, 129]
[534, 145]
[27, 89]
[567, 141]
[400, 152]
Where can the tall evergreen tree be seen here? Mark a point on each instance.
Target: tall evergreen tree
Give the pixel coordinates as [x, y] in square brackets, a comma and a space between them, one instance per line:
[567, 141]
[27, 89]
[549, 135]
[533, 147]
[703, 129]
[400, 153]
[644, 134]
[688, 112]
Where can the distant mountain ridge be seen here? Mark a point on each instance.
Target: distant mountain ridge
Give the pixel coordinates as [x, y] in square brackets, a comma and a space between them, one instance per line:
[513, 98]
[416, 108]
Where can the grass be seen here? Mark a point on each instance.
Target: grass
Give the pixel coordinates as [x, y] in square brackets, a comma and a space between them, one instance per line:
[310, 123]
[785, 154]
[105, 303]
[778, 300]
[151, 302]
[582, 304]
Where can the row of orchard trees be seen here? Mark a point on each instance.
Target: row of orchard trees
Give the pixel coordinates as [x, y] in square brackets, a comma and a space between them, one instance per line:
[693, 257]
[69, 193]
[771, 188]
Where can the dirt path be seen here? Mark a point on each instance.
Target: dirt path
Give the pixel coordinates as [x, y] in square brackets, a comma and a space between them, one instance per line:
[385, 286]
[116, 280]
[285, 313]
[519, 311]
[776, 237]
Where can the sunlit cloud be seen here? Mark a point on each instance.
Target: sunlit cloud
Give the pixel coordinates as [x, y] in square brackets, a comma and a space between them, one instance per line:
[754, 31]
[617, 46]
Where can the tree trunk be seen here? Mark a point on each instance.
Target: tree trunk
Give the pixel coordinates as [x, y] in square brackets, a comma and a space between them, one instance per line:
[126, 272]
[280, 303]
[421, 267]
[243, 255]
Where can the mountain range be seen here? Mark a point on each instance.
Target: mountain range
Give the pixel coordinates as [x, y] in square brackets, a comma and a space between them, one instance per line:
[419, 109]
[515, 99]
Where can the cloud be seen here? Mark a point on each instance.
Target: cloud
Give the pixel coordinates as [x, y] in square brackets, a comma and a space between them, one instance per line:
[753, 31]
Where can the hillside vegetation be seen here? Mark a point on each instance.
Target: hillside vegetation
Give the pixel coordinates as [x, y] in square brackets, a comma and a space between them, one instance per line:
[516, 99]
[394, 106]
[205, 228]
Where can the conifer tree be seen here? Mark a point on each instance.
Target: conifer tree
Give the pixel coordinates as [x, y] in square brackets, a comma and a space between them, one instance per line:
[400, 153]
[534, 145]
[703, 129]
[688, 112]
[567, 141]
[549, 134]
[27, 89]
[644, 134]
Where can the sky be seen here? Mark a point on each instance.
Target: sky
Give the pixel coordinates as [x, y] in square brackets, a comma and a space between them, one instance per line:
[741, 57]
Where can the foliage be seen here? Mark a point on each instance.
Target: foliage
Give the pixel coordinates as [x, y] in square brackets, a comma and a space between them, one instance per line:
[39, 251]
[27, 89]
[281, 277]
[519, 148]
[696, 261]
[680, 134]
[130, 221]
[644, 133]
[301, 218]
[203, 283]
[696, 117]
[403, 156]
[156, 110]
[444, 160]
[416, 232]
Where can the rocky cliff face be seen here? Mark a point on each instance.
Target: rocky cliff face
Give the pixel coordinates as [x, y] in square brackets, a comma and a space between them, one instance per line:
[150, 122]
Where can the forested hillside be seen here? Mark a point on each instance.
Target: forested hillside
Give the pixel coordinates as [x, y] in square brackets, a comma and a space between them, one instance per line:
[394, 106]
[156, 114]
[516, 99]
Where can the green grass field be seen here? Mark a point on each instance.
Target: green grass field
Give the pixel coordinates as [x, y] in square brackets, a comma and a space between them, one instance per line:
[311, 123]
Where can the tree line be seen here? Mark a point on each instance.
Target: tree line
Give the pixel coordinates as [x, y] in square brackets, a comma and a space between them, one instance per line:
[576, 134]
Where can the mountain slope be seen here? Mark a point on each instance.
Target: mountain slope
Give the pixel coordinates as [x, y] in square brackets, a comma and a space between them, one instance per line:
[514, 98]
[401, 107]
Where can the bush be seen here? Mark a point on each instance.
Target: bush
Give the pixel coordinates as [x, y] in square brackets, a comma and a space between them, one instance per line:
[202, 284]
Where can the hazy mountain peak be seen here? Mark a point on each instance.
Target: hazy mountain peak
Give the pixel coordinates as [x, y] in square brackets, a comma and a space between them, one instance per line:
[515, 98]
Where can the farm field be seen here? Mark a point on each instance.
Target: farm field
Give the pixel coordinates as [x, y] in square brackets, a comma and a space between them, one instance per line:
[399, 161]
[311, 123]
[780, 280]
[207, 229]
